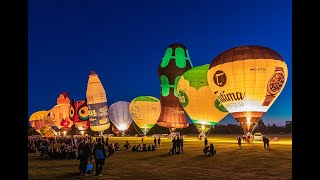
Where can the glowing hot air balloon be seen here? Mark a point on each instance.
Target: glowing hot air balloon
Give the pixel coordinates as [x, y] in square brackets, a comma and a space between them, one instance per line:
[145, 111]
[120, 116]
[174, 63]
[38, 121]
[50, 133]
[247, 80]
[79, 114]
[198, 100]
[59, 114]
[97, 104]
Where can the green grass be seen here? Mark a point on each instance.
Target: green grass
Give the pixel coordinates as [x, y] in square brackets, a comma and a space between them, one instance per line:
[252, 162]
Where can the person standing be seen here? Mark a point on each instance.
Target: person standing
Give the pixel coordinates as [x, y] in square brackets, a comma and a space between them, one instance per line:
[239, 142]
[267, 143]
[159, 140]
[205, 141]
[178, 145]
[174, 145]
[127, 145]
[181, 144]
[155, 141]
[264, 141]
[99, 156]
[84, 152]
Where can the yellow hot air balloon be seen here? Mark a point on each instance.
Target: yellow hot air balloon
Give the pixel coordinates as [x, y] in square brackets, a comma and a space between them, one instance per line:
[38, 121]
[247, 80]
[97, 103]
[198, 100]
[145, 111]
[50, 133]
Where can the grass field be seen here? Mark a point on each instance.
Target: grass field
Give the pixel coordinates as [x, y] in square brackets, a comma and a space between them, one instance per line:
[252, 162]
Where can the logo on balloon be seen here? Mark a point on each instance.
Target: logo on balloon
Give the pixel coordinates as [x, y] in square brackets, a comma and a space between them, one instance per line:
[219, 106]
[220, 78]
[183, 98]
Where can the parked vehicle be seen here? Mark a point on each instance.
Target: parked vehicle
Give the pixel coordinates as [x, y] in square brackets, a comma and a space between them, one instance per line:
[257, 136]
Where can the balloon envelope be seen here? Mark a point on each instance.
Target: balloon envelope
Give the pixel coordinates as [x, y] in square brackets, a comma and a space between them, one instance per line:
[79, 114]
[59, 114]
[145, 111]
[119, 115]
[247, 80]
[174, 63]
[97, 103]
[197, 99]
[37, 120]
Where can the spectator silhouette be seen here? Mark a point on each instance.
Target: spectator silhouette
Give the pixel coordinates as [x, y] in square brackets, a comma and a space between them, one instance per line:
[178, 145]
[205, 141]
[181, 144]
[84, 152]
[155, 141]
[99, 156]
[159, 140]
[212, 150]
[239, 142]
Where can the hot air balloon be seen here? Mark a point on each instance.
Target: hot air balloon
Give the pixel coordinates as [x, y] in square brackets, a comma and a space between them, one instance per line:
[174, 63]
[38, 121]
[50, 133]
[145, 111]
[198, 100]
[120, 116]
[79, 114]
[247, 80]
[97, 104]
[59, 114]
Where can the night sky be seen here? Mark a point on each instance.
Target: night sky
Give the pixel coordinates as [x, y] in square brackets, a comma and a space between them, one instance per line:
[123, 41]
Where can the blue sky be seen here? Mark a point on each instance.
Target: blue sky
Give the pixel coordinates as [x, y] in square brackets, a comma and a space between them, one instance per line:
[124, 42]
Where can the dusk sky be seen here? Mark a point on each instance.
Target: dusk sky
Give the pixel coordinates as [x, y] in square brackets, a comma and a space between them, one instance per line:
[123, 41]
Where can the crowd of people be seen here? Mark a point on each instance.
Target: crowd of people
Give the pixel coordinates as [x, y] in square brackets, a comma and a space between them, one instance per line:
[86, 148]
[139, 148]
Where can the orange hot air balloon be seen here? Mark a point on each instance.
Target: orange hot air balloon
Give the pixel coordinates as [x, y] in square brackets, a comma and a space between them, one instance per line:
[247, 80]
[174, 63]
[59, 114]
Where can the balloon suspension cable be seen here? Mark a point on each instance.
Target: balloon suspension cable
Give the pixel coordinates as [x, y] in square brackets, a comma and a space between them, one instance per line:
[198, 129]
[136, 128]
[208, 132]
